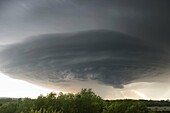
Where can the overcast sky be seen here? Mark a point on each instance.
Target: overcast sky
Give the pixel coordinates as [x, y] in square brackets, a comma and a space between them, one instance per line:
[116, 45]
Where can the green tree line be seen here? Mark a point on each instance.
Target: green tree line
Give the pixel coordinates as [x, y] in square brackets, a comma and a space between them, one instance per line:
[85, 101]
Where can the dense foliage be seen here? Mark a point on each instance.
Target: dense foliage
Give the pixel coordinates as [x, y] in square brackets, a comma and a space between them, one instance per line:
[85, 101]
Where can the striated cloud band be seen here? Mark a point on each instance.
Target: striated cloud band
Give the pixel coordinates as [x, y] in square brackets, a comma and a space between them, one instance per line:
[108, 57]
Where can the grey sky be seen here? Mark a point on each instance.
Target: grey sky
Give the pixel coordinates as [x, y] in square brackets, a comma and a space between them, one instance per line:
[23, 18]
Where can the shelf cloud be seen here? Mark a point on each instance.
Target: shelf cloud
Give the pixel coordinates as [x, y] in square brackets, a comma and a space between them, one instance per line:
[108, 57]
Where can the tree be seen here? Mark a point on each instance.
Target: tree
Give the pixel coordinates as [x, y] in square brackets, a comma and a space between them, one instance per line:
[85, 101]
[88, 102]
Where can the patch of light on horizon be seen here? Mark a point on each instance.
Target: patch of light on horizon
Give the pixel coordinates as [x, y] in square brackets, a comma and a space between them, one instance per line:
[19, 89]
[140, 94]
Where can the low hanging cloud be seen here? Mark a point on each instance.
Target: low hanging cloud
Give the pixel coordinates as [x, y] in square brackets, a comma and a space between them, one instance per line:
[108, 57]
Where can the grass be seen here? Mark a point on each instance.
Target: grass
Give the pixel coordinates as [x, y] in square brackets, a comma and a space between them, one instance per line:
[164, 108]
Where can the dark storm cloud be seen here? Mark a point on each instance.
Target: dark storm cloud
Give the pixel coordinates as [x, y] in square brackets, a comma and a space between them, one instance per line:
[108, 57]
[24, 18]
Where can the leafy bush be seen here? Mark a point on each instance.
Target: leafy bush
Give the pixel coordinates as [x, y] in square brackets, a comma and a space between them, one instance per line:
[85, 101]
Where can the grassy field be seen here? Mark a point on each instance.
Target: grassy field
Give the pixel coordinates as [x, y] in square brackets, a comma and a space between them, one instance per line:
[164, 108]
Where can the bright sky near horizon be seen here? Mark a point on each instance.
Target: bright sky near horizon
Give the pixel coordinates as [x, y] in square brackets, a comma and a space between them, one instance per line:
[14, 88]
[19, 89]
